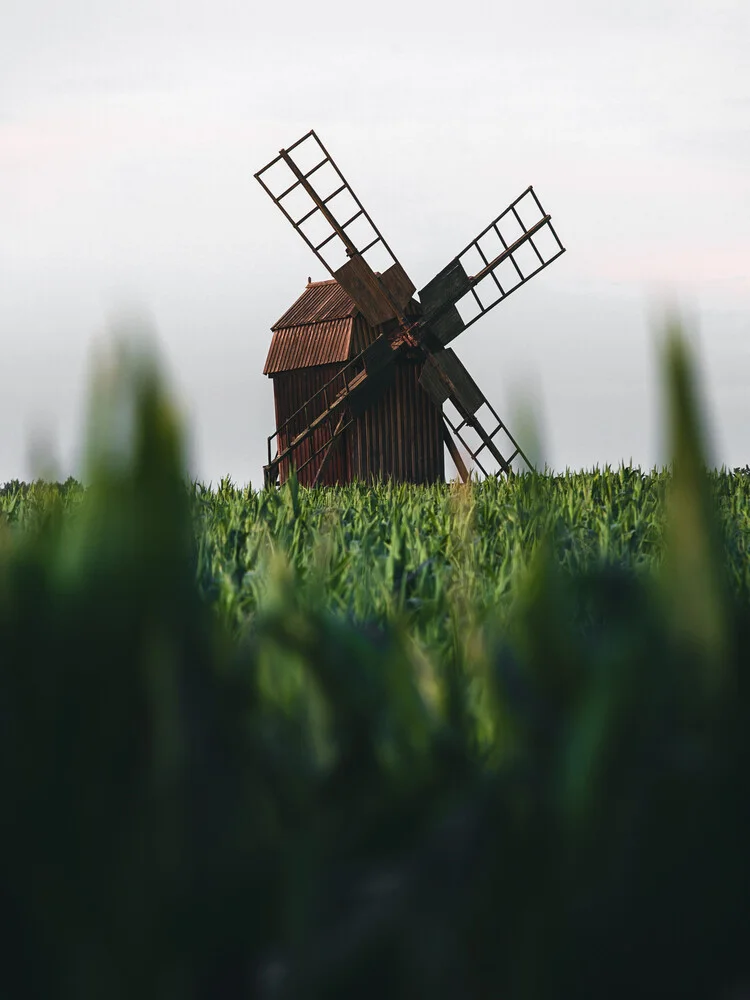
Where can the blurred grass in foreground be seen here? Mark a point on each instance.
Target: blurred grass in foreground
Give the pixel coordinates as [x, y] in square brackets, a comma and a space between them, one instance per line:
[467, 742]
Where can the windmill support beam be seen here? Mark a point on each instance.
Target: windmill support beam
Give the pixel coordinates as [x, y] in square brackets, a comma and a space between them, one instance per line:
[455, 454]
[335, 439]
[486, 439]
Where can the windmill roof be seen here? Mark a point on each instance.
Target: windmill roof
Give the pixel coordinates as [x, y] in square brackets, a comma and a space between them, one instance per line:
[320, 301]
[318, 329]
[315, 330]
[308, 346]
[323, 327]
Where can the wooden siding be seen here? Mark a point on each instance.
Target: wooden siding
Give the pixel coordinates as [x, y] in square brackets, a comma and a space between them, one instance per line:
[325, 342]
[320, 302]
[362, 334]
[291, 391]
[398, 437]
[309, 346]
[401, 435]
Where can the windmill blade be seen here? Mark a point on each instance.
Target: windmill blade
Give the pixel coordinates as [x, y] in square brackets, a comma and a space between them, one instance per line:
[313, 194]
[446, 379]
[514, 247]
[314, 428]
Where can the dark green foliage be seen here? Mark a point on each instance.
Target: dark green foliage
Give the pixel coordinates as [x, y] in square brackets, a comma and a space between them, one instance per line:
[463, 742]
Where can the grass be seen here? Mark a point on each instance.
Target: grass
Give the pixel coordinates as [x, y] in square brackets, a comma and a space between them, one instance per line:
[465, 741]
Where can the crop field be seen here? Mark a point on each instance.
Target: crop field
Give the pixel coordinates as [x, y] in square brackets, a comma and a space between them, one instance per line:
[389, 553]
[483, 740]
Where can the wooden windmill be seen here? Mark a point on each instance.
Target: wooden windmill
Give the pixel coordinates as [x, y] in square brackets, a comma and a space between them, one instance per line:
[364, 382]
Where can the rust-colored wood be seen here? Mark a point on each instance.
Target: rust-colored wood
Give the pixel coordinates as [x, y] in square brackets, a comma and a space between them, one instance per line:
[455, 454]
[399, 437]
[329, 450]
[358, 280]
[380, 293]
[291, 392]
[398, 285]
[456, 378]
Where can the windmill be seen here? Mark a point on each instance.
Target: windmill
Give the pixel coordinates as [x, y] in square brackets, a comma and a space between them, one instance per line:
[368, 280]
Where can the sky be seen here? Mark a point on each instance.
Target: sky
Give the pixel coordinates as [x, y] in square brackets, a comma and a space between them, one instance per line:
[129, 136]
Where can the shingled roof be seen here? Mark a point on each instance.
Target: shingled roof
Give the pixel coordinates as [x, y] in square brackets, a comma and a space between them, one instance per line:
[320, 301]
[316, 330]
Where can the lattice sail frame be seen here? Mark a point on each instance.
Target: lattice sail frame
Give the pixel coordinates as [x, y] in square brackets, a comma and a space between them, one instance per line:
[469, 286]
[446, 380]
[334, 220]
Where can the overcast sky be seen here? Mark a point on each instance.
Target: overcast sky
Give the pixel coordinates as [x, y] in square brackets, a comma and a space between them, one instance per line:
[129, 135]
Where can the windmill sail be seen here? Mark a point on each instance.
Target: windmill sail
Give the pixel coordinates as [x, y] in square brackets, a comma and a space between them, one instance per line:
[308, 187]
[446, 379]
[514, 247]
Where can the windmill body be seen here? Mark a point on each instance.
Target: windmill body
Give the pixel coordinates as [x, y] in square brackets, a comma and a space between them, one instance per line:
[399, 436]
[365, 385]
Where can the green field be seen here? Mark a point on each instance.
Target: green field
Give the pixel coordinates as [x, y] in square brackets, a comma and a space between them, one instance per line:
[390, 553]
[465, 741]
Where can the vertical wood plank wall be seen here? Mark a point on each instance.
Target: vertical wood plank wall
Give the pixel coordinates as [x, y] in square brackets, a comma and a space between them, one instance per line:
[399, 437]
[291, 391]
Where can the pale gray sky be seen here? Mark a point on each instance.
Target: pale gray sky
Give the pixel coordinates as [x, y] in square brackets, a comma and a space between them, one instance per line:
[129, 135]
